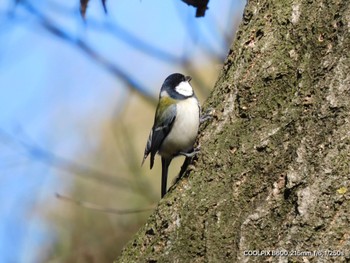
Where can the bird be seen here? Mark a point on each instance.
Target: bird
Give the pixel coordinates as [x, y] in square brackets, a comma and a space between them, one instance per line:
[176, 124]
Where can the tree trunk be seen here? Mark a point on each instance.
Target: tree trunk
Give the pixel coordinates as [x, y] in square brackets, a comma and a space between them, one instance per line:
[273, 175]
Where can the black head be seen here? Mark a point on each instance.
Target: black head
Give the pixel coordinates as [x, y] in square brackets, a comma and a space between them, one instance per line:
[177, 86]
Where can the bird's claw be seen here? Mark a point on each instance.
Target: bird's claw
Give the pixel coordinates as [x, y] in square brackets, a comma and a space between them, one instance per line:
[192, 153]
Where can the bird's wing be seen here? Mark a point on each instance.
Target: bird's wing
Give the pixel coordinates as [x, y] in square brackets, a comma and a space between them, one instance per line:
[163, 122]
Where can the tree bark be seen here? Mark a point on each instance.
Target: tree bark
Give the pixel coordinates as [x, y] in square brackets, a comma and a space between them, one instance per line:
[273, 174]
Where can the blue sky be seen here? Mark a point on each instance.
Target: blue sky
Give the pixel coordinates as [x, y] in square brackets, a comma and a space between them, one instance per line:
[48, 87]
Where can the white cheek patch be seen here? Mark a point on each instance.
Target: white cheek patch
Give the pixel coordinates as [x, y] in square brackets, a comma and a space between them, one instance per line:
[184, 88]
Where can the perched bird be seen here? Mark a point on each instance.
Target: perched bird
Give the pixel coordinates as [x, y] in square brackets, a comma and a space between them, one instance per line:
[175, 125]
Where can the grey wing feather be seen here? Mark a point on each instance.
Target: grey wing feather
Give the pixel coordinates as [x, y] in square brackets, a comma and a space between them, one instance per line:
[159, 132]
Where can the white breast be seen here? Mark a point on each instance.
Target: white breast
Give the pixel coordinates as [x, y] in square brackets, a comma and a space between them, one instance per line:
[185, 129]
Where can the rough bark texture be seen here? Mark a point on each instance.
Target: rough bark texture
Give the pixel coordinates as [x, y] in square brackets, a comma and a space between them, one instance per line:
[273, 173]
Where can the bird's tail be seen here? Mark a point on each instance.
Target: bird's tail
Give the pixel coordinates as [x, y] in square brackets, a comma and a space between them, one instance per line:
[165, 166]
[148, 149]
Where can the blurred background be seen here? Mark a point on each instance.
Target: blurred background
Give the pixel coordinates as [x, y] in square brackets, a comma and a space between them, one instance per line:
[77, 101]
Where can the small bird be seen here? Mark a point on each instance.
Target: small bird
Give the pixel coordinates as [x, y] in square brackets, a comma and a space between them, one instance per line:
[176, 124]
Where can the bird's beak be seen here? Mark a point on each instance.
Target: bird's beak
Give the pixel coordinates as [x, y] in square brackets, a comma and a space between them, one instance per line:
[188, 78]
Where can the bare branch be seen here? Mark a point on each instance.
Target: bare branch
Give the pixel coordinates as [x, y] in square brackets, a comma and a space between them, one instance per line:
[116, 70]
[49, 158]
